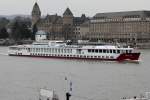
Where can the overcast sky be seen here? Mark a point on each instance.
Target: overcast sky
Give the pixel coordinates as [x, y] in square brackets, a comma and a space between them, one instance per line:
[89, 7]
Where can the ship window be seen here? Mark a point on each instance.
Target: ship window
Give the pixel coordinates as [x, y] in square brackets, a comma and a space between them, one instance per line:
[100, 51]
[93, 50]
[118, 51]
[107, 51]
[130, 51]
[96, 51]
[114, 51]
[28, 49]
[104, 51]
[110, 51]
[89, 50]
[71, 50]
[58, 50]
[61, 50]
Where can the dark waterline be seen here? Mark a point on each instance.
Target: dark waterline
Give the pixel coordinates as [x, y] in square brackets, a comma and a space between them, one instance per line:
[22, 77]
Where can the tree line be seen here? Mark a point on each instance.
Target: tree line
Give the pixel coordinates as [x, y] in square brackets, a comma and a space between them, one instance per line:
[17, 29]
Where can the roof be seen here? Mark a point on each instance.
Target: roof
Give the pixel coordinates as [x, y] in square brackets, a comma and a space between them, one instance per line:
[85, 24]
[123, 14]
[80, 20]
[55, 19]
[36, 8]
[41, 33]
[68, 12]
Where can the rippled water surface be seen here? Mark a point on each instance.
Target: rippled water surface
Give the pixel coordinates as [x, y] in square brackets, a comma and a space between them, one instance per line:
[22, 77]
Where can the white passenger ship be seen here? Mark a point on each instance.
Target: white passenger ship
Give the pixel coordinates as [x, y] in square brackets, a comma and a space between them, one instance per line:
[59, 49]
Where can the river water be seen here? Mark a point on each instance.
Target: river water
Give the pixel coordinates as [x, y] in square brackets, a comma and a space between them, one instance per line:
[21, 77]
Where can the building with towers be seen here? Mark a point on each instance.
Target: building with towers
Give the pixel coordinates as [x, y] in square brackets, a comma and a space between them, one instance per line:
[64, 27]
[36, 14]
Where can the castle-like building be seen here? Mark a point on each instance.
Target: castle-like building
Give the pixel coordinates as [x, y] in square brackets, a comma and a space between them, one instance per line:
[66, 27]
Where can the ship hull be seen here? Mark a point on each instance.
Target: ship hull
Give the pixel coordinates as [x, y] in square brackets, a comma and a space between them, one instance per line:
[121, 58]
[129, 56]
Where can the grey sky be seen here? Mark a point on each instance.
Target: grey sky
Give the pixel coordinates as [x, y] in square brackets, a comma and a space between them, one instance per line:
[89, 7]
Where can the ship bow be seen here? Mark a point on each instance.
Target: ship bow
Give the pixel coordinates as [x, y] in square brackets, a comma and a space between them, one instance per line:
[129, 56]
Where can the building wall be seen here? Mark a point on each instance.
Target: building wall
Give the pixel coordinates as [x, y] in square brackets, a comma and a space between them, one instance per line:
[68, 20]
[120, 29]
[84, 32]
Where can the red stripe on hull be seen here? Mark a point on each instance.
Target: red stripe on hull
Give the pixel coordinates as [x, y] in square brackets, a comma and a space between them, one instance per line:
[128, 56]
[122, 57]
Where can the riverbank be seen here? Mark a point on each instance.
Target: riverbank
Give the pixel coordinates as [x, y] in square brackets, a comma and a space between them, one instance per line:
[8, 42]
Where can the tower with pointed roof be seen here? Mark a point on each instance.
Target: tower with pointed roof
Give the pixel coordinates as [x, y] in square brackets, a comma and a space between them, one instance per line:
[67, 17]
[36, 13]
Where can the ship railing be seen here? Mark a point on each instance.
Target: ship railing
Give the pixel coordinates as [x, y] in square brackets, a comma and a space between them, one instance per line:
[141, 97]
